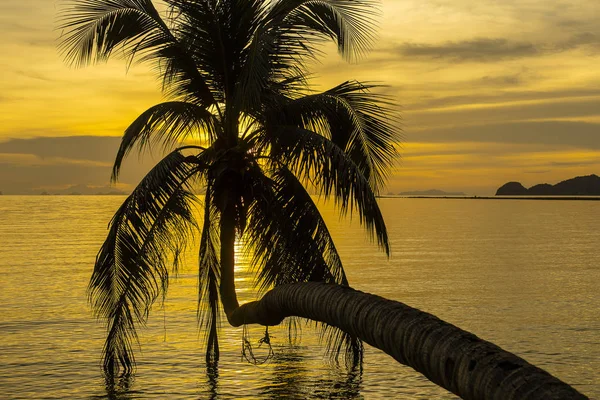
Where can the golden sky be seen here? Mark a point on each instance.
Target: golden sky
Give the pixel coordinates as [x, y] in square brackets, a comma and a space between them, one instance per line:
[490, 91]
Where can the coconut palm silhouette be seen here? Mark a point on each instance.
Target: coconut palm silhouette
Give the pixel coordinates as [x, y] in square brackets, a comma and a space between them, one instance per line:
[246, 131]
[236, 76]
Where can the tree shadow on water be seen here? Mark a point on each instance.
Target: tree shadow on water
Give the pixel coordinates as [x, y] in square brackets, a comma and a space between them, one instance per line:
[291, 380]
[212, 377]
[119, 387]
[343, 386]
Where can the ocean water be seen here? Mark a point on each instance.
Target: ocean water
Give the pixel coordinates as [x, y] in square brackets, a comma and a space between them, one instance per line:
[522, 274]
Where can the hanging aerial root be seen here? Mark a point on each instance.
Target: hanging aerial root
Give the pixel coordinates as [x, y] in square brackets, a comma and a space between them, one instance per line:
[248, 351]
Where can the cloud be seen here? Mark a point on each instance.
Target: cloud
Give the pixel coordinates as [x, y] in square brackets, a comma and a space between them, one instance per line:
[31, 74]
[480, 167]
[30, 166]
[502, 80]
[566, 110]
[33, 179]
[481, 49]
[492, 49]
[31, 160]
[500, 97]
[580, 163]
[548, 133]
[580, 40]
[95, 148]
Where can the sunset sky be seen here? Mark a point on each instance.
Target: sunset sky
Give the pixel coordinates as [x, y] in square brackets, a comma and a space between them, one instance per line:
[490, 92]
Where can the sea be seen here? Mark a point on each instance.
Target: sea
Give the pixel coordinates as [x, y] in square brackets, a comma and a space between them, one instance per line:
[524, 274]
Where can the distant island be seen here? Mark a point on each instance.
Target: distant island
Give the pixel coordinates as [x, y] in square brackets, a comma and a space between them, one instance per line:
[588, 185]
[432, 192]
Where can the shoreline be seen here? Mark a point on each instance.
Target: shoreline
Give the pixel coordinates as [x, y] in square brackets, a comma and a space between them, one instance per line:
[573, 198]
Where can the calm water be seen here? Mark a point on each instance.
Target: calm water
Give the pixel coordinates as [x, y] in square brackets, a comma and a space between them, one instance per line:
[523, 274]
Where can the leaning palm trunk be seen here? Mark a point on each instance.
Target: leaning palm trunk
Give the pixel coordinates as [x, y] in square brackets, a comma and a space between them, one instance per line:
[454, 359]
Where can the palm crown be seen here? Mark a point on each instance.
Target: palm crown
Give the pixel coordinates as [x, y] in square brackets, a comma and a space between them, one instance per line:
[235, 75]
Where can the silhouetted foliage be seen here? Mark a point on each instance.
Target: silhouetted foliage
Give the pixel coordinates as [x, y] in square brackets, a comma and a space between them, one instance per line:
[252, 137]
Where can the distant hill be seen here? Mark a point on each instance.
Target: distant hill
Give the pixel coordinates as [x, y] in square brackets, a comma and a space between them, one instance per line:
[588, 185]
[432, 192]
[87, 190]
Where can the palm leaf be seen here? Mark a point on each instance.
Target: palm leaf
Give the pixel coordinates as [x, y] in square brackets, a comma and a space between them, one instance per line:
[273, 235]
[94, 29]
[208, 279]
[132, 267]
[354, 118]
[302, 210]
[218, 34]
[316, 159]
[289, 32]
[282, 216]
[169, 123]
[349, 22]
[200, 32]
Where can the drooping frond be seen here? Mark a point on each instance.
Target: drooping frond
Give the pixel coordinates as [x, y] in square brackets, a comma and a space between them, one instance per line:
[364, 127]
[208, 279]
[167, 124]
[302, 210]
[316, 159]
[341, 343]
[146, 234]
[337, 341]
[94, 29]
[277, 224]
[282, 216]
[356, 119]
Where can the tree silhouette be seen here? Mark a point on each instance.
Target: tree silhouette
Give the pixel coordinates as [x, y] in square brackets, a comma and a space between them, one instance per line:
[235, 73]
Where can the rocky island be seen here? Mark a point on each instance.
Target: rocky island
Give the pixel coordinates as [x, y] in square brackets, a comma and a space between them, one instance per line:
[588, 185]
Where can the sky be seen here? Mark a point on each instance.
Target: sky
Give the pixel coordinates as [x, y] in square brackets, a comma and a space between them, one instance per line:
[489, 91]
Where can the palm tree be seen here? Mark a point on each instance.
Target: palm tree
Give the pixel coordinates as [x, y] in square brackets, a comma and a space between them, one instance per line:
[251, 136]
[242, 124]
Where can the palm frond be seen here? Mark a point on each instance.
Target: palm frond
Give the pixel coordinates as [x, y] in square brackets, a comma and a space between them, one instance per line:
[300, 208]
[273, 234]
[289, 32]
[218, 34]
[273, 60]
[349, 22]
[283, 216]
[365, 126]
[357, 120]
[94, 29]
[208, 279]
[169, 124]
[341, 343]
[200, 33]
[148, 231]
[317, 160]
[337, 341]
